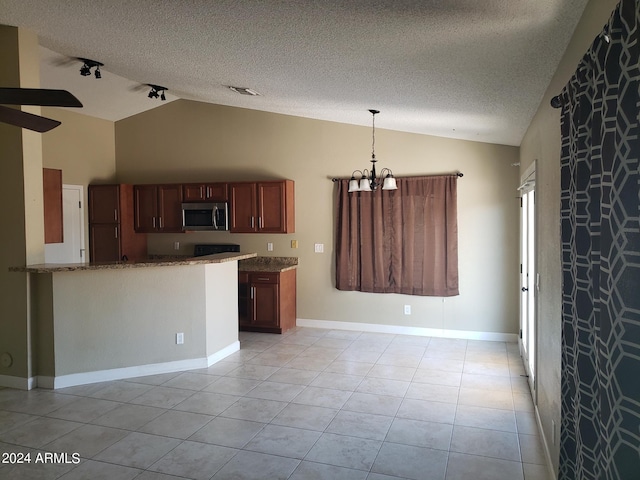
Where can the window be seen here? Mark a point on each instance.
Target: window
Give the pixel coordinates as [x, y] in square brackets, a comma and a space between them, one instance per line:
[399, 241]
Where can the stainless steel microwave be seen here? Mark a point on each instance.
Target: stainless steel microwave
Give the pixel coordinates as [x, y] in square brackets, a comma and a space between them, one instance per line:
[205, 216]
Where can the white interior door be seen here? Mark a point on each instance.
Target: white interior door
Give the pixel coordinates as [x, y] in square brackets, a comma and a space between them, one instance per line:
[72, 249]
[528, 279]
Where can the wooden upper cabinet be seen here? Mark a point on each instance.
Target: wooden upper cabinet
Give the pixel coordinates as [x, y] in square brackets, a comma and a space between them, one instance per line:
[104, 203]
[52, 191]
[204, 192]
[255, 207]
[157, 208]
[170, 208]
[243, 207]
[262, 207]
[275, 207]
[111, 225]
[145, 210]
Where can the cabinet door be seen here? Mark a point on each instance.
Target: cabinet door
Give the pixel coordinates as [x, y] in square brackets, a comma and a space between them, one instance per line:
[105, 242]
[271, 205]
[104, 205]
[169, 208]
[193, 192]
[216, 192]
[243, 207]
[145, 208]
[200, 192]
[52, 203]
[244, 299]
[265, 304]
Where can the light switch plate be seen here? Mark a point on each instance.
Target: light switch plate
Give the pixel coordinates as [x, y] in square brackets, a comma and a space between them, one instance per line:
[319, 248]
[269, 247]
[179, 338]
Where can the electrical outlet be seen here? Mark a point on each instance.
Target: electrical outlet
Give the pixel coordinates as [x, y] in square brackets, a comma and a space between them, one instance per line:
[269, 247]
[176, 245]
[407, 309]
[179, 338]
[294, 243]
[318, 248]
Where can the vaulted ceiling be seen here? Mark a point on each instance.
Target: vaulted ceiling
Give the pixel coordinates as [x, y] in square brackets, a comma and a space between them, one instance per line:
[465, 69]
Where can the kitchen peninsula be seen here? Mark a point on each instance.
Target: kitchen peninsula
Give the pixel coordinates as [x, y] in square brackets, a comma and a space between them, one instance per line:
[107, 321]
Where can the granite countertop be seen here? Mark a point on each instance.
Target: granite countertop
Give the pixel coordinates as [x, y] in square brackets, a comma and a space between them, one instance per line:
[73, 267]
[268, 264]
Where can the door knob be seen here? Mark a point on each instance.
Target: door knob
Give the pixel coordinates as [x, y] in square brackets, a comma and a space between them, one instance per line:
[525, 289]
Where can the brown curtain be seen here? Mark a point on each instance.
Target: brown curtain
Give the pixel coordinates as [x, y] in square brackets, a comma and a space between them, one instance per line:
[399, 241]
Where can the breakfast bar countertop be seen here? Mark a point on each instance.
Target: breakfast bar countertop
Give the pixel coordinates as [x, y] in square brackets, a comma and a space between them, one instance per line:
[73, 267]
[268, 264]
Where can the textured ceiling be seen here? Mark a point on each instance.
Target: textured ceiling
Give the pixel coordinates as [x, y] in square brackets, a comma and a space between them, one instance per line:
[466, 69]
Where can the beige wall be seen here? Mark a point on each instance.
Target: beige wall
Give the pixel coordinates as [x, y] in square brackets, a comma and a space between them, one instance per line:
[189, 141]
[83, 148]
[542, 142]
[92, 322]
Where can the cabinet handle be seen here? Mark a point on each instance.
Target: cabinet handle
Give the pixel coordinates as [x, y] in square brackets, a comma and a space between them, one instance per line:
[116, 230]
[115, 214]
[208, 192]
[252, 288]
[252, 222]
[154, 222]
[263, 278]
[160, 222]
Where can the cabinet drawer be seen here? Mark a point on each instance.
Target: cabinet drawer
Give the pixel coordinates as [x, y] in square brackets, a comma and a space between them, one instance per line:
[268, 277]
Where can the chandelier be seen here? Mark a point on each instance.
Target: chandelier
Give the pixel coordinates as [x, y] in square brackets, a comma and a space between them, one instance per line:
[368, 180]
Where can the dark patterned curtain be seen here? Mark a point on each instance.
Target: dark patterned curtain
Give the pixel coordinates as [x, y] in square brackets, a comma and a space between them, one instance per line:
[399, 241]
[600, 436]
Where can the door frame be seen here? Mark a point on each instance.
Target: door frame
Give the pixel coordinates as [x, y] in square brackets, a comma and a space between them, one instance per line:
[528, 311]
[76, 211]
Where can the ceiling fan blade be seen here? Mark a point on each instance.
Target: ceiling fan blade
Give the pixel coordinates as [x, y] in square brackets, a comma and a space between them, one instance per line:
[38, 96]
[27, 120]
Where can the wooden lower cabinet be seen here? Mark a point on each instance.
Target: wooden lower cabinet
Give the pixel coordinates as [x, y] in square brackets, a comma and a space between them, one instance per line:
[267, 301]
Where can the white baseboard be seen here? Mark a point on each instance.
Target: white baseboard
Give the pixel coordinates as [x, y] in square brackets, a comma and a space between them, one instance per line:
[545, 445]
[224, 353]
[85, 378]
[19, 383]
[401, 330]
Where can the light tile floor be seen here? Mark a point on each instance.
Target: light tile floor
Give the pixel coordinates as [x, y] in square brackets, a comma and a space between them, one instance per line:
[310, 404]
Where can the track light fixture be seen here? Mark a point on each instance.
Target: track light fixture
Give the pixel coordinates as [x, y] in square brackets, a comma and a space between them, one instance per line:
[87, 65]
[157, 91]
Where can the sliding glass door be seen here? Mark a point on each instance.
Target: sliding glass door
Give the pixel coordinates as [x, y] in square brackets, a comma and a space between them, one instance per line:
[528, 281]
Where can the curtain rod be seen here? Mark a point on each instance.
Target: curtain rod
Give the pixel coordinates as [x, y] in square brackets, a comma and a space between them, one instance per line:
[457, 174]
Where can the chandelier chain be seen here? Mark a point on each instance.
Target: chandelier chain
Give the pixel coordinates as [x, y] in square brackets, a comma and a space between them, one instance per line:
[373, 134]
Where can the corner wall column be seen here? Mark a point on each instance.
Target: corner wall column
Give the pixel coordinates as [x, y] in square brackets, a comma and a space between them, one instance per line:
[21, 215]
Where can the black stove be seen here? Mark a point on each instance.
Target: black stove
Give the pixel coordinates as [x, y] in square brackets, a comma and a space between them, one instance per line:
[211, 248]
